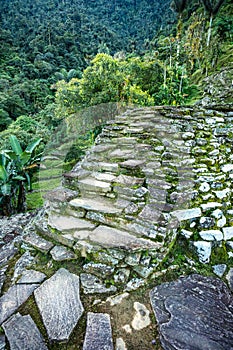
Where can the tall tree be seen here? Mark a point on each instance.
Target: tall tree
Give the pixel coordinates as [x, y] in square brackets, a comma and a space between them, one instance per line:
[212, 7]
[179, 7]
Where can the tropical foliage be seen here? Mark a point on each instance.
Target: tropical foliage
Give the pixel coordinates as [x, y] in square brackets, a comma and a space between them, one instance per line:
[16, 167]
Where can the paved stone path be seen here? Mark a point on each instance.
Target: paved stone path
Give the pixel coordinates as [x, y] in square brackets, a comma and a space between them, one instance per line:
[153, 175]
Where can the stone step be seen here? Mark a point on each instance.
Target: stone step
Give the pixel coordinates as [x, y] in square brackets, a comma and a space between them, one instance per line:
[100, 205]
[98, 332]
[90, 184]
[59, 304]
[65, 224]
[109, 237]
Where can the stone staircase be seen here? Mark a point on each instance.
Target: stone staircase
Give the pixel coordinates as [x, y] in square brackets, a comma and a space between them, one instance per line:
[153, 175]
[117, 196]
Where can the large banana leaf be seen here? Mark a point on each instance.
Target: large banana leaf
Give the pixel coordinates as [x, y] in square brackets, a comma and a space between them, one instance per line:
[30, 148]
[25, 157]
[15, 145]
[3, 174]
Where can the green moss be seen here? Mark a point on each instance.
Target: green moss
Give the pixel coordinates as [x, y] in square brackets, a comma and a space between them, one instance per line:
[34, 200]
[219, 255]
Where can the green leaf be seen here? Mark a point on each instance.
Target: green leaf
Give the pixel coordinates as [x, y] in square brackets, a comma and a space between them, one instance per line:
[25, 157]
[28, 180]
[2, 159]
[15, 145]
[6, 189]
[18, 177]
[3, 174]
[30, 148]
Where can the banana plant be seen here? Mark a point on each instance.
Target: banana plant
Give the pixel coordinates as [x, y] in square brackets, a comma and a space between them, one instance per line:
[15, 172]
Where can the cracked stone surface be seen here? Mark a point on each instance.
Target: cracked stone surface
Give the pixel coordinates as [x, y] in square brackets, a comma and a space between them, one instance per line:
[190, 314]
[59, 304]
[22, 333]
[14, 298]
[98, 332]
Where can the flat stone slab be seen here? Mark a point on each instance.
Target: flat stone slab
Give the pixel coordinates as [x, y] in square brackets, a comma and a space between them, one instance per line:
[98, 332]
[7, 252]
[38, 242]
[92, 184]
[194, 312]
[111, 237]
[14, 298]
[101, 205]
[60, 253]
[22, 333]
[31, 276]
[132, 164]
[66, 223]
[187, 214]
[59, 303]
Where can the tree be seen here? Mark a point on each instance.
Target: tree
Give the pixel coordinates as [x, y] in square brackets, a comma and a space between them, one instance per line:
[212, 8]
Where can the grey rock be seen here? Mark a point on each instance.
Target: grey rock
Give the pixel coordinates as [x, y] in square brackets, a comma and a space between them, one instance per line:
[219, 269]
[14, 298]
[133, 259]
[187, 234]
[60, 253]
[141, 318]
[222, 194]
[120, 344]
[38, 242]
[112, 238]
[108, 259]
[203, 250]
[99, 269]
[211, 235]
[24, 261]
[101, 205]
[132, 164]
[2, 342]
[65, 223]
[143, 271]
[217, 213]
[228, 233]
[226, 168]
[92, 284]
[150, 212]
[229, 278]
[210, 205]
[2, 276]
[205, 187]
[206, 222]
[7, 252]
[187, 214]
[122, 275]
[22, 333]
[98, 333]
[134, 284]
[31, 277]
[115, 300]
[190, 314]
[59, 304]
